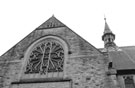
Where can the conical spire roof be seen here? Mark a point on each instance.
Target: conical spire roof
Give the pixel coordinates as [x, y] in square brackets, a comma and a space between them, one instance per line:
[106, 29]
[52, 22]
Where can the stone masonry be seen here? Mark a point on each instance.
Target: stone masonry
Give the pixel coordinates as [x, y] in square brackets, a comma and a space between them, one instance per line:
[85, 66]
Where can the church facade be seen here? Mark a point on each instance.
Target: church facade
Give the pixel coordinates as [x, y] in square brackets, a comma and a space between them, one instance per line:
[54, 56]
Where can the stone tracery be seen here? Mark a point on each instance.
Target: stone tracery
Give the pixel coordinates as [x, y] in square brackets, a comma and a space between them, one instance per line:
[47, 56]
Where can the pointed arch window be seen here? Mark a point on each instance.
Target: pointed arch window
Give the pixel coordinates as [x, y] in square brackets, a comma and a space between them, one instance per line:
[47, 56]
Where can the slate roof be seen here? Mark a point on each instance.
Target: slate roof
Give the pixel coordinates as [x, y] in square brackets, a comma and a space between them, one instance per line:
[124, 58]
[121, 60]
[130, 50]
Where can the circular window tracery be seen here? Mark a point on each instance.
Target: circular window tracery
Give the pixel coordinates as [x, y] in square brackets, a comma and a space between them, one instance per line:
[47, 56]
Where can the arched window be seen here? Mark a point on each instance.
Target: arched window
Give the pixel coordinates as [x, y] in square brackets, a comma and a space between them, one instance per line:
[45, 58]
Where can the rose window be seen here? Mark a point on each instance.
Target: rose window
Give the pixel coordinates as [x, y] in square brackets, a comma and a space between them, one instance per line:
[46, 57]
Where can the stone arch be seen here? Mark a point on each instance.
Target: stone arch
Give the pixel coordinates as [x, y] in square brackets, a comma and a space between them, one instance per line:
[56, 39]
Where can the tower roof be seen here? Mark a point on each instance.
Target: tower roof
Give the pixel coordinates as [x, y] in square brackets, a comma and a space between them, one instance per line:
[106, 29]
[52, 22]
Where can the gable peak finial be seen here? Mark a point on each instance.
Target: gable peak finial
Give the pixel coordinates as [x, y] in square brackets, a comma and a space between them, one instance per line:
[53, 15]
[104, 17]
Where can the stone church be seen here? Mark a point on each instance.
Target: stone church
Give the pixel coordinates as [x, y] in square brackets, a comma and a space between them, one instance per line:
[54, 56]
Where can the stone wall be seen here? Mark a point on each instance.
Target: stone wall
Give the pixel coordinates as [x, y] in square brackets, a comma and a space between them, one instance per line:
[85, 64]
[86, 72]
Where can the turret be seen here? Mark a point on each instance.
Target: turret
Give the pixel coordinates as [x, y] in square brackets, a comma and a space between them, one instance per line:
[108, 37]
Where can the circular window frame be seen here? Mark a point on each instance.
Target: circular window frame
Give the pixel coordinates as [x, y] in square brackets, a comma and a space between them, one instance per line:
[28, 52]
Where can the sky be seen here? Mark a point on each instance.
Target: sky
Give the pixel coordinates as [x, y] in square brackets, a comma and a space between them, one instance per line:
[86, 17]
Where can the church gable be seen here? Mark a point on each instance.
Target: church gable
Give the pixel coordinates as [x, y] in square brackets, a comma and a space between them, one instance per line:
[73, 40]
[54, 52]
[51, 23]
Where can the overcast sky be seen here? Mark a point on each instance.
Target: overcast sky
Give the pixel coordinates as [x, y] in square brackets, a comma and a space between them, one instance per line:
[86, 17]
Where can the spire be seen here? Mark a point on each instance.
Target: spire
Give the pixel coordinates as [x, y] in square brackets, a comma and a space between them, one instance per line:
[106, 29]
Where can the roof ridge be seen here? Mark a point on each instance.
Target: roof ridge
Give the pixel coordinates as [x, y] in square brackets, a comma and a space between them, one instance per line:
[127, 46]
